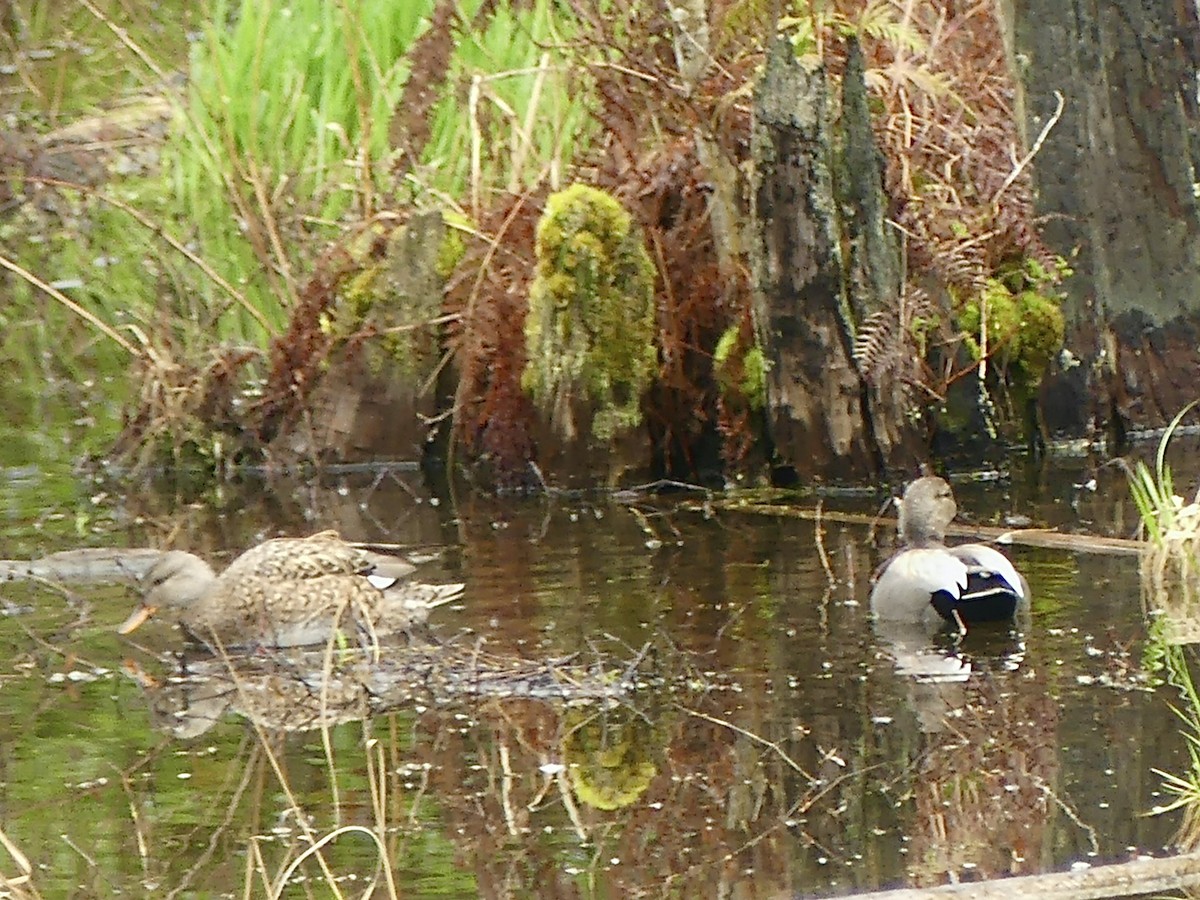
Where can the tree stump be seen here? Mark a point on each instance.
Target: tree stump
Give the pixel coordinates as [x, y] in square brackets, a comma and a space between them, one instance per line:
[816, 413]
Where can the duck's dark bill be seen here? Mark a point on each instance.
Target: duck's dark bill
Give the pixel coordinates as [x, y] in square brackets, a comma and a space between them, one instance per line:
[135, 620]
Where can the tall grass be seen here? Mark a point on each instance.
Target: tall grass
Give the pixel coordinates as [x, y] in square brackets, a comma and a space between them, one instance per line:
[285, 122]
[278, 145]
[285, 138]
[526, 111]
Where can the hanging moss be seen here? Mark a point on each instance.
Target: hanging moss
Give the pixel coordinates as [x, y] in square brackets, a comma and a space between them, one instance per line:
[590, 328]
[741, 369]
[1041, 336]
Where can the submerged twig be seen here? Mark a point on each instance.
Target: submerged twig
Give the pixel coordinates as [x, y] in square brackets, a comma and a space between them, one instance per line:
[757, 738]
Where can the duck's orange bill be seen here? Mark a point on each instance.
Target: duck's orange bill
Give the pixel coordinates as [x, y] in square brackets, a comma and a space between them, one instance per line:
[136, 618]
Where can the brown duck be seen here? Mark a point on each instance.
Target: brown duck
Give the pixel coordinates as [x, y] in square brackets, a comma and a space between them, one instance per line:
[289, 592]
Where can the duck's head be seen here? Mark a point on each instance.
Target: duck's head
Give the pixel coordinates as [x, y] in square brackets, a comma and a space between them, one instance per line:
[175, 582]
[926, 511]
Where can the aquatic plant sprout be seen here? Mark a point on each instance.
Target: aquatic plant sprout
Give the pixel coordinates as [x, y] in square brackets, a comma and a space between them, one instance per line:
[1165, 516]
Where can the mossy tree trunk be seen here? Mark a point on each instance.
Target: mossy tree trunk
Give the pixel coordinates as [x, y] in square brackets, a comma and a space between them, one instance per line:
[1116, 181]
[824, 419]
[379, 396]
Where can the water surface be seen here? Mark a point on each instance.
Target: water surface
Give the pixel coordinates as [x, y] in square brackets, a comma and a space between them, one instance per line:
[772, 745]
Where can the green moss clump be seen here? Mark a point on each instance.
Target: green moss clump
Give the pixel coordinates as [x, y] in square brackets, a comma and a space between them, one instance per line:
[360, 294]
[1025, 331]
[741, 369]
[1042, 331]
[591, 323]
[452, 248]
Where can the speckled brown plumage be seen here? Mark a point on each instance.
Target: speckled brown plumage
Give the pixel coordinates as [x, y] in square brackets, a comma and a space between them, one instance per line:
[289, 592]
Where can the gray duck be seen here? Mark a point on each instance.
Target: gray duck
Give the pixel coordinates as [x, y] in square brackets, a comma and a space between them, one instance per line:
[928, 582]
[289, 592]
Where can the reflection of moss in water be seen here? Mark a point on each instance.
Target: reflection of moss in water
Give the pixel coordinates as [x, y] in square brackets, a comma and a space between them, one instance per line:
[590, 328]
[609, 760]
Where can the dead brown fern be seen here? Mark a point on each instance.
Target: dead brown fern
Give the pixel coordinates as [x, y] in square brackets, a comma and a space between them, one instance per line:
[945, 125]
[489, 292]
[887, 344]
[669, 191]
[298, 354]
[429, 62]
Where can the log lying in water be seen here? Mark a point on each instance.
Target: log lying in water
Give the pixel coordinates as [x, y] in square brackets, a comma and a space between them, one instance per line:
[1026, 537]
[127, 565]
[86, 564]
[1129, 879]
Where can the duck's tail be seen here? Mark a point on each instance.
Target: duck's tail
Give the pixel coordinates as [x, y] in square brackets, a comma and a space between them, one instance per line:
[418, 595]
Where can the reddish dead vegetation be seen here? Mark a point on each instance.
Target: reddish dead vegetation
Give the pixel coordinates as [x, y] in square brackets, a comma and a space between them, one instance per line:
[667, 191]
[185, 408]
[949, 152]
[951, 173]
[299, 353]
[494, 418]
[962, 145]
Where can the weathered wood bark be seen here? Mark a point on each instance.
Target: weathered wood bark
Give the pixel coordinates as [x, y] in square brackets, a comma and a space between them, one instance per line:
[873, 271]
[1116, 179]
[1138, 878]
[377, 397]
[814, 395]
[824, 419]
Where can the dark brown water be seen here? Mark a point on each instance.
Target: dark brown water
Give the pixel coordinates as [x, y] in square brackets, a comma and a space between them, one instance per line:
[772, 745]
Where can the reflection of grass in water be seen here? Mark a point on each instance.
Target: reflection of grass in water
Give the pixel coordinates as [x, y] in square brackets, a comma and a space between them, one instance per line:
[1171, 658]
[1171, 528]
